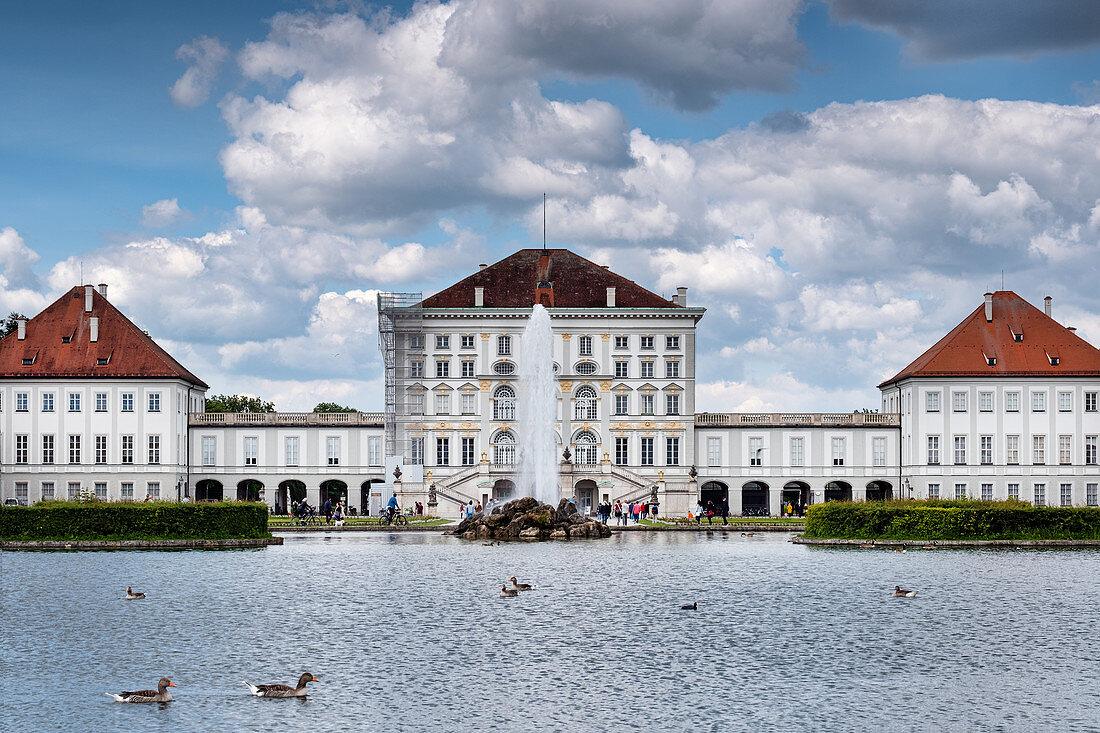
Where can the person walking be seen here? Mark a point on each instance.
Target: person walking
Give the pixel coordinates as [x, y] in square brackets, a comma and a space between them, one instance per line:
[699, 512]
[326, 509]
[710, 512]
[618, 510]
[725, 512]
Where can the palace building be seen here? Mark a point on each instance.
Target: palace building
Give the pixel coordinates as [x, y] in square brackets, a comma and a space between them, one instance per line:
[1003, 406]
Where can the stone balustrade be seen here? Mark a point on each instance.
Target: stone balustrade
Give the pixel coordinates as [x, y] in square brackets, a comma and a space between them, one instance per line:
[375, 419]
[794, 419]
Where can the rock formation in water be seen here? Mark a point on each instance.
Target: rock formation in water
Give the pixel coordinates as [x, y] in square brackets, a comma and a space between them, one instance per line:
[526, 519]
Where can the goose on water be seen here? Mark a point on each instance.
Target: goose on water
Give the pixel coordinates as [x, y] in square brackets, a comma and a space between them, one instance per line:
[161, 694]
[900, 592]
[132, 596]
[506, 592]
[693, 607]
[520, 586]
[283, 690]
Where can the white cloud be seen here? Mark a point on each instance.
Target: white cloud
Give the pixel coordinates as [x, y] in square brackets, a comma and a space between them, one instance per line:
[162, 213]
[204, 57]
[780, 392]
[735, 268]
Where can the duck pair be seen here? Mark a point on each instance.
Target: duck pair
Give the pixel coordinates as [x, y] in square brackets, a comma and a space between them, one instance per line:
[161, 694]
[506, 592]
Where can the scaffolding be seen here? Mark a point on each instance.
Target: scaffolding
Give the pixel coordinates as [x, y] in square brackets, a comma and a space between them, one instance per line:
[400, 338]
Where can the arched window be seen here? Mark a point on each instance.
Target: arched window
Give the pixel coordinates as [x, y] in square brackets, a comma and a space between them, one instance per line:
[584, 404]
[586, 449]
[504, 404]
[504, 449]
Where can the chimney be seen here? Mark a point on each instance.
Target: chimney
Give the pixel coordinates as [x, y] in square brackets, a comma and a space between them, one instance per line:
[682, 295]
[1046, 305]
[479, 297]
[103, 289]
[989, 307]
[611, 297]
[21, 328]
[482, 266]
[88, 298]
[93, 326]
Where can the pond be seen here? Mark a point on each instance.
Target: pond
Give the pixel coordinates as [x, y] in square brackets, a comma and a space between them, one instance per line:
[406, 631]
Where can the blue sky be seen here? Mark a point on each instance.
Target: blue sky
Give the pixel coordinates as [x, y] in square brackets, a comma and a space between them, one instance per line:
[824, 175]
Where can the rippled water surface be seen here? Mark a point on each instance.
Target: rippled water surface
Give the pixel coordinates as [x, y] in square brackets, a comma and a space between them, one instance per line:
[408, 632]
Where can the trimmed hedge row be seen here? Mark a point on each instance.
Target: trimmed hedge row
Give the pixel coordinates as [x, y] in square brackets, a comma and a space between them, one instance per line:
[70, 520]
[951, 520]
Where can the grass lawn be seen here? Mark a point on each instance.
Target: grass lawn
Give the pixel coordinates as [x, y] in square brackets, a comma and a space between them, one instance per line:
[283, 521]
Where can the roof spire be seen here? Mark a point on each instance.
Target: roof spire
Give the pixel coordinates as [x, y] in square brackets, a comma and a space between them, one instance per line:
[544, 252]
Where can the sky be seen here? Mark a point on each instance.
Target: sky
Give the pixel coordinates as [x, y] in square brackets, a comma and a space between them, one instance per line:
[837, 181]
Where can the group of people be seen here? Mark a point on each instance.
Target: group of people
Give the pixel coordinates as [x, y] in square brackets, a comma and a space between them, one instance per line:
[623, 511]
[711, 512]
[469, 510]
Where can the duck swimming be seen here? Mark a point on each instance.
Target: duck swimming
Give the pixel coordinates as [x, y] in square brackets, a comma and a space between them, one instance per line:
[900, 592]
[693, 607]
[506, 592]
[283, 690]
[161, 694]
[132, 596]
[520, 586]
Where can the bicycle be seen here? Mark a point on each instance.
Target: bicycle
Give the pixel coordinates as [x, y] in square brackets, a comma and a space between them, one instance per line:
[394, 518]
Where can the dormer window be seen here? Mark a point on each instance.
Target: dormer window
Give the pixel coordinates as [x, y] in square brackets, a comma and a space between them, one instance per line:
[991, 360]
[1017, 337]
[103, 361]
[66, 339]
[1053, 360]
[29, 360]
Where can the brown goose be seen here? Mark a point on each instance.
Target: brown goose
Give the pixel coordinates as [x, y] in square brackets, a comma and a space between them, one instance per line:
[900, 592]
[132, 596]
[506, 592]
[520, 586]
[161, 694]
[283, 690]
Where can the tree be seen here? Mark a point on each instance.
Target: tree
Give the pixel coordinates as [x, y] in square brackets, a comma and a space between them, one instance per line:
[332, 407]
[10, 325]
[238, 403]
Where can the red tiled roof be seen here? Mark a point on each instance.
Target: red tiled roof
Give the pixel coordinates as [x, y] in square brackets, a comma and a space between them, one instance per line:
[129, 351]
[963, 352]
[577, 283]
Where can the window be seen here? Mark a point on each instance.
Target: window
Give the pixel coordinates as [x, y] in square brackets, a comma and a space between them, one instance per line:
[933, 491]
[101, 402]
[21, 492]
[1039, 449]
[290, 450]
[647, 343]
[74, 402]
[101, 449]
[101, 490]
[1038, 401]
[647, 451]
[672, 451]
[468, 368]
[1090, 401]
[443, 368]
[1090, 450]
[672, 343]
[47, 449]
[958, 401]
[622, 369]
[442, 451]
[647, 403]
[332, 445]
[622, 342]
[416, 368]
[1065, 494]
[714, 451]
[586, 368]
[504, 404]
[21, 402]
[74, 490]
[1012, 449]
[468, 450]
[584, 404]
[443, 403]
[152, 488]
[154, 402]
[416, 452]
[47, 490]
[622, 451]
[756, 450]
[127, 401]
[442, 341]
[251, 451]
[1065, 402]
[126, 491]
[47, 402]
[374, 450]
[1012, 401]
[209, 453]
[798, 451]
[672, 368]
[154, 449]
[504, 450]
[647, 369]
[838, 451]
[21, 448]
[987, 492]
[622, 403]
[416, 402]
[1090, 494]
[74, 449]
[416, 342]
[960, 450]
[985, 449]
[504, 345]
[1014, 491]
[878, 451]
[1065, 450]
[468, 403]
[467, 341]
[1040, 495]
[932, 402]
[960, 491]
[672, 404]
[585, 345]
[933, 450]
[985, 402]
[127, 449]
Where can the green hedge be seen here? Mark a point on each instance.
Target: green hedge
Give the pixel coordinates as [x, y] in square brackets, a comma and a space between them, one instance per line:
[951, 520]
[162, 520]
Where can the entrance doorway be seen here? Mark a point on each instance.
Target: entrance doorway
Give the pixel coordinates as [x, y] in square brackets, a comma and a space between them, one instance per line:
[334, 490]
[754, 499]
[365, 491]
[838, 491]
[249, 490]
[797, 494]
[880, 491]
[504, 490]
[209, 490]
[712, 494]
[586, 496]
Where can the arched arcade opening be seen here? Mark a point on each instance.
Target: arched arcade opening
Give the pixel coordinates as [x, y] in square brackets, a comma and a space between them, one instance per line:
[754, 499]
[880, 491]
[838, 491]
[209, 490]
